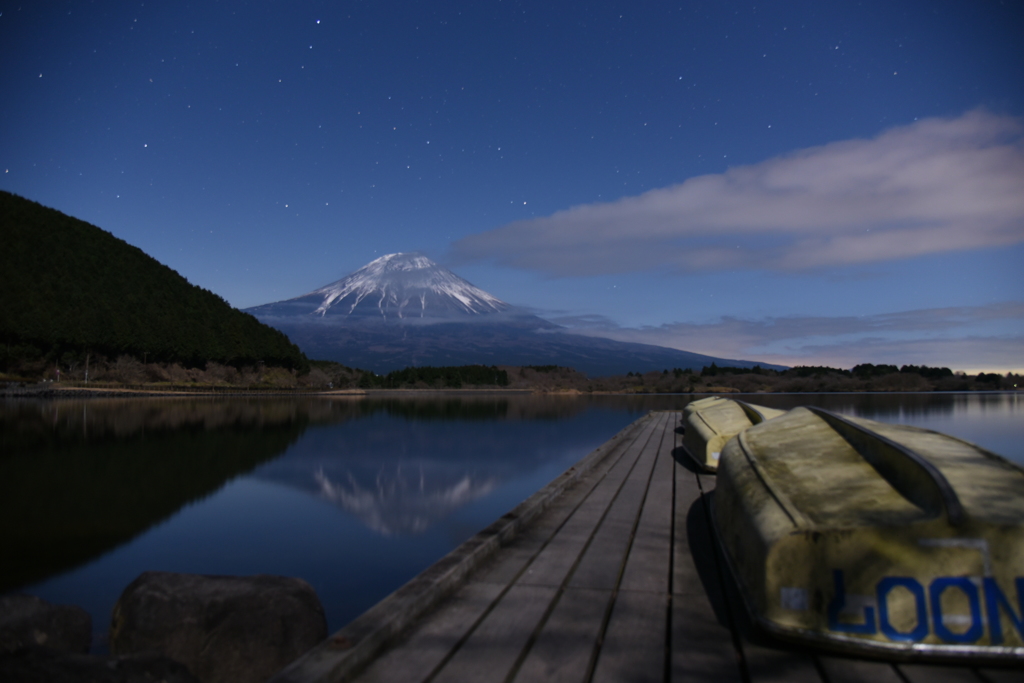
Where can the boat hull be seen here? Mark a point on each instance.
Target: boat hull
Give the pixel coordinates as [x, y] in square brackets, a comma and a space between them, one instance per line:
[709, 424]
[904, 569]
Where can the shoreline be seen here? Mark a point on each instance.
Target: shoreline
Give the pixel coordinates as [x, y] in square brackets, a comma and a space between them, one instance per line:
[48, 391]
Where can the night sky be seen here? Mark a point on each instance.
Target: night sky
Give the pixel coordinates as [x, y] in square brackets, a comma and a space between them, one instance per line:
[793, 182]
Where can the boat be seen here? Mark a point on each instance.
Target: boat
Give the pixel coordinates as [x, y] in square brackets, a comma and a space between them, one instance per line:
[872, 538]
[709, 423]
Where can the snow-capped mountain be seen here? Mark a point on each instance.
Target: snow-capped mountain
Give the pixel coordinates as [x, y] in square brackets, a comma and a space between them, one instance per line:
[406, 285]
[404, 310]
[395, 286]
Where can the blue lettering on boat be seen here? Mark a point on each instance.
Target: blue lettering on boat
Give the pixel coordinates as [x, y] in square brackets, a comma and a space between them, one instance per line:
[839, 602]
[964, 584]
[869, 623]
[888, 630]
[994, 600]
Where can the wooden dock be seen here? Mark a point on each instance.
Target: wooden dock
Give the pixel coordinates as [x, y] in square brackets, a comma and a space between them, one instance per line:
[608, 575]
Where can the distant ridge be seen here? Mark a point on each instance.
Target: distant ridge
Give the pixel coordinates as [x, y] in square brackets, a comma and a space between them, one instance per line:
[68, 286]
[404, 310]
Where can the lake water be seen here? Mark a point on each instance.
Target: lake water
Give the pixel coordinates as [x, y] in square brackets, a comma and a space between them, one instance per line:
[354, 495]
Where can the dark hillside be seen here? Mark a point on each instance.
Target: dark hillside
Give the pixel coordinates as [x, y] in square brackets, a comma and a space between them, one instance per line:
[67, 286]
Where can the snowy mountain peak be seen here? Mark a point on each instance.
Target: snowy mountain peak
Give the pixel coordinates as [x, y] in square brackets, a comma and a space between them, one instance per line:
[404, 285]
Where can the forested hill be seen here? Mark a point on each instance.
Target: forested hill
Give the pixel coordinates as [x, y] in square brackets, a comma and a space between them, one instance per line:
[68, 286]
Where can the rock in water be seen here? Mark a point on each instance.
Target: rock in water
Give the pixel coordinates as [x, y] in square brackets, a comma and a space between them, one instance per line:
[223, 628]
[28, 621]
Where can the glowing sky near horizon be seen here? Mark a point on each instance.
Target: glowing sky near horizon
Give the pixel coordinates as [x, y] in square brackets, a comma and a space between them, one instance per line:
[797, 183]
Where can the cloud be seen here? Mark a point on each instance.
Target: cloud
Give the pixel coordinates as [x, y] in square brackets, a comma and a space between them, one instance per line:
[963, 337]
[937, 185]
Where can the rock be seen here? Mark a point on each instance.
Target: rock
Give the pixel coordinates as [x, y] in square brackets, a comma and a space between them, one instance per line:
[44, 665]
[223, 628]
[27, 621]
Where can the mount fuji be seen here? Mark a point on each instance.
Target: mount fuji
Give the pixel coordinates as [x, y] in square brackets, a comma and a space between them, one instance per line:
[394, 287]
[404, 310]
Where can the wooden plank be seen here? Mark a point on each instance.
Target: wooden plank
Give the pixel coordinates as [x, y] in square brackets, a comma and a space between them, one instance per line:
[845, 670]
[555, 561]
[601, 564]
[431, 641]
[931, 673]
[497, 642]
[513, 558]
[634, 643]
[603, 560]
[686, 579]
[772, 664]
[702, 648]
[703, 644]
[568, 640]
[1001, 675]
[694, 570]
[647, 567]
[508, 563]
[636, 448]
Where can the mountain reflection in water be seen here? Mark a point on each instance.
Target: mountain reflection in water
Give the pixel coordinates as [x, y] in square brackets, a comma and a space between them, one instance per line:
[399, 503]
[409, 463]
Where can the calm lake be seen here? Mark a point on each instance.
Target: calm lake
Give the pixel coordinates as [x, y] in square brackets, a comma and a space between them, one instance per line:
[354, 495]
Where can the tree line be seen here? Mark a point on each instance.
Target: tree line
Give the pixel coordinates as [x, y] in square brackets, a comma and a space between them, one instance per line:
[862, 371]
[428, 377]
[71, 290]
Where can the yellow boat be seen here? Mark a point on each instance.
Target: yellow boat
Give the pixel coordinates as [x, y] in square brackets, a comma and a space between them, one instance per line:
[710, 422]
[874, 538]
